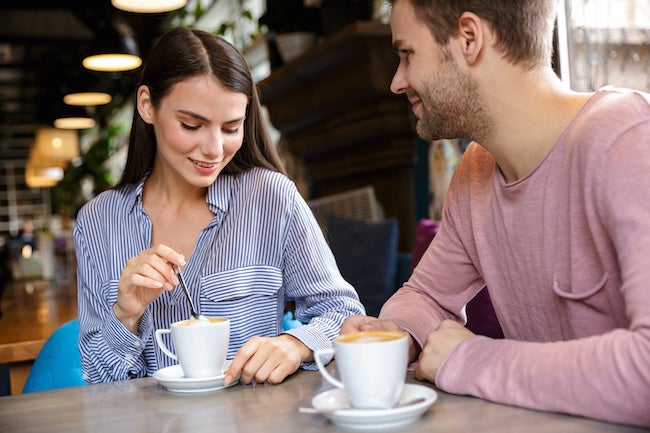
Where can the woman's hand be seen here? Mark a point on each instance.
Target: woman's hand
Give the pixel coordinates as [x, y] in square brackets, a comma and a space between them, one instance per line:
[143, 279]
[268, 359]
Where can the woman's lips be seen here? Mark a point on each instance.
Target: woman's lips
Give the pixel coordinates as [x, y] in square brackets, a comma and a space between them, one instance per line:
[204, 167]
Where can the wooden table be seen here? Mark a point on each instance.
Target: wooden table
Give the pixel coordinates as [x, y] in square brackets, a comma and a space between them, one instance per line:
[142, 405]
[32, 311]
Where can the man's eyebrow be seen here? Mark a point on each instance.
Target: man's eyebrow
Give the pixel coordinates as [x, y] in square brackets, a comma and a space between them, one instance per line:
[398, 45]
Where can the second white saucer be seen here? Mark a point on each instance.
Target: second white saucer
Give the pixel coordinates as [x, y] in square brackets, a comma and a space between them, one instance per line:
[374, 419]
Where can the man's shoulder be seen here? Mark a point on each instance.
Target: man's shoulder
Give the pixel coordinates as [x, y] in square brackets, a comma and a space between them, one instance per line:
[477, 162]
[618, 104]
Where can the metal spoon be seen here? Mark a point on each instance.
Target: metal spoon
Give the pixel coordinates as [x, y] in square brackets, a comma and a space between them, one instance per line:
[347, 406]
[196, 315]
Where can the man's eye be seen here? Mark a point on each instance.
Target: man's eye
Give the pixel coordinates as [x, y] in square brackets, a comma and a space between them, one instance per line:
[189, 127]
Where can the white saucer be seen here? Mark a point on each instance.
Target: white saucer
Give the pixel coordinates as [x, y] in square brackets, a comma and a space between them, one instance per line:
[373, 419]
[173, 379]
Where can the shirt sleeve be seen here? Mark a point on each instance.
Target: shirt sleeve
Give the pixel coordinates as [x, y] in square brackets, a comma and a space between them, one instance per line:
[108, 350]
[323, 298]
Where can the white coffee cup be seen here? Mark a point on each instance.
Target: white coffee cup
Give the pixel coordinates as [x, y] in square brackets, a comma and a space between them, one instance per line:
[201, 345]
[372, 366]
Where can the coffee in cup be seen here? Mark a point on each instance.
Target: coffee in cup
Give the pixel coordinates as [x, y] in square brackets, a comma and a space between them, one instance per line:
[372, 366]
[201, 346]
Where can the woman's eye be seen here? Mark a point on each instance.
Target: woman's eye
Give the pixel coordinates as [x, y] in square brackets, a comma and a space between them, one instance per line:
[189, 127]
[231, 130]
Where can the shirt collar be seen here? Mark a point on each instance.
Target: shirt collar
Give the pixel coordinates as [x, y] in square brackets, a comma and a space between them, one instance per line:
[220, 192]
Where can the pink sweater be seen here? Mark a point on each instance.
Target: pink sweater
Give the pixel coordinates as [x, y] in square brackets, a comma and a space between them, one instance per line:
[565, 252]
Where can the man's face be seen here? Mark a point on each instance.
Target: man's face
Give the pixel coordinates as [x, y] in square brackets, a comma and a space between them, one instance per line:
[443, 97]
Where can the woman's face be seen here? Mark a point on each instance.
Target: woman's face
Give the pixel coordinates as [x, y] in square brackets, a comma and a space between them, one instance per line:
[199, 128]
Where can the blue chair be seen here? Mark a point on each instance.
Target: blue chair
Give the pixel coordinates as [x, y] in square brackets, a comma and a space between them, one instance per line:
[58, 364]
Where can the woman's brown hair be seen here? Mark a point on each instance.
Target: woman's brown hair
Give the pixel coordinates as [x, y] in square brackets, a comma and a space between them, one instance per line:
[184, 53]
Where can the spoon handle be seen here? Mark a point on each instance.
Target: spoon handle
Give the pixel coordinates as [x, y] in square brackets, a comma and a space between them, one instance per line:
[185, 290]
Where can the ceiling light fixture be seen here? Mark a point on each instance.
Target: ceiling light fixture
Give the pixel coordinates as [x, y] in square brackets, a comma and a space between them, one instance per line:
[72, 117]
[149, 6]
[74, 123]
[114, 51]
[55, 147]
[112, 62]
[85, 88]
[87, 99]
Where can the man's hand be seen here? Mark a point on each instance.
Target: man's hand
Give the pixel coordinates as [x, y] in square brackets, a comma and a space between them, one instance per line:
[359, 323]
[440, 343]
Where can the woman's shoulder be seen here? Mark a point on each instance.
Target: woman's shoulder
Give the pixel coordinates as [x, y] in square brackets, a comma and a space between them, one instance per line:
[108, 202]
[268, 183]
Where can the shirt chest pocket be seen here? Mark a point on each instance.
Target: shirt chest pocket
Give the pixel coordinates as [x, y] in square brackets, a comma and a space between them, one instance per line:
[579, 288]
[243, 292]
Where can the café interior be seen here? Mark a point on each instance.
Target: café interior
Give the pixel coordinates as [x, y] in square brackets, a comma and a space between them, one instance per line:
[348, 143]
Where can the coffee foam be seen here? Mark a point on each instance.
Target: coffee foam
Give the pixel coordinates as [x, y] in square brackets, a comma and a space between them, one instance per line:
[194, 322]
[370, 337]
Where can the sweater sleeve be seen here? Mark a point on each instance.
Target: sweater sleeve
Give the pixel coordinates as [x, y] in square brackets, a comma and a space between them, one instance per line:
[445, 279]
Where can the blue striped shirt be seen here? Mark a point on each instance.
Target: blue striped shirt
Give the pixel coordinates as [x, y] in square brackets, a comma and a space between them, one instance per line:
[262, 248]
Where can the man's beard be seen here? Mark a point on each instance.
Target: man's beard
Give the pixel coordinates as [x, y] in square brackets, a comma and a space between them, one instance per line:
[452, 106]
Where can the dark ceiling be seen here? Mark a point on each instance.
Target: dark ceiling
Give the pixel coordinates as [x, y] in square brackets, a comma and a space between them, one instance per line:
[42, 43]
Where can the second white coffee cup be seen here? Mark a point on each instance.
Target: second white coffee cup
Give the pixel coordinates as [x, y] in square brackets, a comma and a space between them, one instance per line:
[201, 346]
[372, 366]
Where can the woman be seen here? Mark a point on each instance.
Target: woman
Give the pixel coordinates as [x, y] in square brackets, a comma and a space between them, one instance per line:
[204, 189]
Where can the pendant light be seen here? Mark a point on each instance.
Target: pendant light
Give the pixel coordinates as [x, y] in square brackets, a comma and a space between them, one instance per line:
[149, 6]
[55, 146]
[72, 117]
[87, 89]
[114, 50]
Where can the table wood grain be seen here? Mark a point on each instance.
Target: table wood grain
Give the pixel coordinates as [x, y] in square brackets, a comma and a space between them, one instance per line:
[143, 406]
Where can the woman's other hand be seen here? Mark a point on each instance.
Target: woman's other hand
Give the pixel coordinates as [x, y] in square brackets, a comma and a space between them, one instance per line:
[268, 359]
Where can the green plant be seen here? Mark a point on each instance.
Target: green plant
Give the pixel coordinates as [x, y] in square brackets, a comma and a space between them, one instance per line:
[89, 175]
[241, 28]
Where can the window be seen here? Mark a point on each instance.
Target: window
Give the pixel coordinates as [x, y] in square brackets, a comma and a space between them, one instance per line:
[607, 42]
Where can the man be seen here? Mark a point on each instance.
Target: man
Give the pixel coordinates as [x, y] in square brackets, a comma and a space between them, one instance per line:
[549, 207]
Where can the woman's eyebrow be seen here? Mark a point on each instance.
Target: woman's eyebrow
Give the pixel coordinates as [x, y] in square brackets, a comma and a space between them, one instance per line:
[199, 117]
[193, 114]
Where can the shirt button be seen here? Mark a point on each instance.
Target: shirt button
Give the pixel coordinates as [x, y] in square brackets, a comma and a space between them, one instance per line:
[137, 344]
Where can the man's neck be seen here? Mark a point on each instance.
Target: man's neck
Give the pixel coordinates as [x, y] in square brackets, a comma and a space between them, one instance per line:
[530, 110]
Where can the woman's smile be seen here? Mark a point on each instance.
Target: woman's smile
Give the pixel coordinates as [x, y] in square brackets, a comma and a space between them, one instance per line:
[205, 167]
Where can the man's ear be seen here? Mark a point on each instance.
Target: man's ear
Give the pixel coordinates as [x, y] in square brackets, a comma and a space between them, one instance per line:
[144, 105]
[471, 35]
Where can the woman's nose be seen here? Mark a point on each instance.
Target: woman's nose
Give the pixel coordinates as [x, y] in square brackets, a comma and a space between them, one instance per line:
[213, 145]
